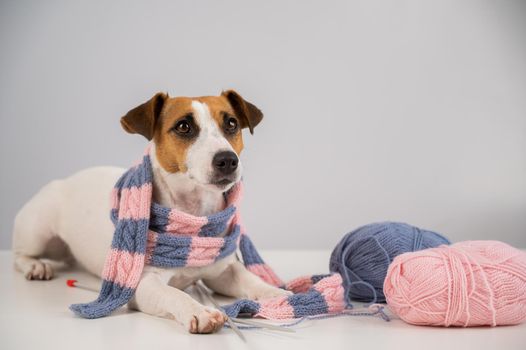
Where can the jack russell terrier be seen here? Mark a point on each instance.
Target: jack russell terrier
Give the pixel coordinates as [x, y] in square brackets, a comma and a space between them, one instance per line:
[196, 143]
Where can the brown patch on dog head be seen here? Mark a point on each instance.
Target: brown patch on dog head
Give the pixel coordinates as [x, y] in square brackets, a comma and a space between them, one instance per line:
[171, 148]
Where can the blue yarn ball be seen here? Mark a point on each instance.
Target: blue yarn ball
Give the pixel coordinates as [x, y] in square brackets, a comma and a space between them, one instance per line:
[363, 256]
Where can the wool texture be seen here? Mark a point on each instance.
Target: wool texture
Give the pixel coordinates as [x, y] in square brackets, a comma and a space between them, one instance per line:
[471, 283]
[313, 295]
[363, 255]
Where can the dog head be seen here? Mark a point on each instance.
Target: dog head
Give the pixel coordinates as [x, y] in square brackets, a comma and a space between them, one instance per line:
[196, 137]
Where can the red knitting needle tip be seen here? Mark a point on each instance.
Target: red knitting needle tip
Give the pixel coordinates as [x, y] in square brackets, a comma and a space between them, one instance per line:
[74, 283]
[71, 283]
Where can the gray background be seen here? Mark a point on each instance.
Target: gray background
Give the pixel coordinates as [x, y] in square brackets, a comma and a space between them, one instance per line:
[375, 110]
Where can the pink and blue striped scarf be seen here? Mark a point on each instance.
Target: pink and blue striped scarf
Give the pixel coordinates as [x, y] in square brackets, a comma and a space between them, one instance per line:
[147, 233]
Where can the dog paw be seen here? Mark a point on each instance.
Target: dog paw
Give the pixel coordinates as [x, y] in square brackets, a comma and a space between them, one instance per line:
[270, 292]
[207, 321]
[38, 270]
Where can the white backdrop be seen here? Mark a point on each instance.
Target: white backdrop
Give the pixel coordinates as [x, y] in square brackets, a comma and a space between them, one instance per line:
[374, 110]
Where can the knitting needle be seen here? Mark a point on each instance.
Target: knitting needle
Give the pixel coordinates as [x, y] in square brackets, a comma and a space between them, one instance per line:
[75, 284]
[250, 322]
[228, 319]
[263, 325]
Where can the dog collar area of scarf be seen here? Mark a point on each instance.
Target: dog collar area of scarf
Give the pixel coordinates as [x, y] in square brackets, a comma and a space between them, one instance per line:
[148, 233]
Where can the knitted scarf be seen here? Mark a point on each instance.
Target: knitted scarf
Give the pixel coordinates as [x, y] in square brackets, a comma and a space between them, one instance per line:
[147, 233]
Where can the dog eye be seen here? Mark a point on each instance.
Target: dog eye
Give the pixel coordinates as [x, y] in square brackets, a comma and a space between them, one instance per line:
[231, 125]
[182, 127]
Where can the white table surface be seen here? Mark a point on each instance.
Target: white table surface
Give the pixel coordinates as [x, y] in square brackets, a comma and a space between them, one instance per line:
[35, 315]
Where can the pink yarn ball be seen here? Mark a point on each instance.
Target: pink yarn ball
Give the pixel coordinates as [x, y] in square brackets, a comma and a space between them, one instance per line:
[472, 283]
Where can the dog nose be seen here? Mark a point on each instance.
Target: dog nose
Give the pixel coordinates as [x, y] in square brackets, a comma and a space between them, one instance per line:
[225, 162]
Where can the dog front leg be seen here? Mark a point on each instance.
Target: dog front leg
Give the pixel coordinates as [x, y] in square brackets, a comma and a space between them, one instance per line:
[236, 281]
[156, 298]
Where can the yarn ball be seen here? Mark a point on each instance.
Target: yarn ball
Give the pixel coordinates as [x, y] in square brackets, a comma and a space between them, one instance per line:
[363, 256]
[473, 283]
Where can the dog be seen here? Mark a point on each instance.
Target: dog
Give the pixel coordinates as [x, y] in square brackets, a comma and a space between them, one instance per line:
[196, 144]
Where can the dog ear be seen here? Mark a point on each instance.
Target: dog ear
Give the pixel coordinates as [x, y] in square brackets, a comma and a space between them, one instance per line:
[249, 114]
[142, 119]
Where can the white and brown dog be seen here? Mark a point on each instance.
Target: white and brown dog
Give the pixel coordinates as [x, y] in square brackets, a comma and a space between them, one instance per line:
[195, 159]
